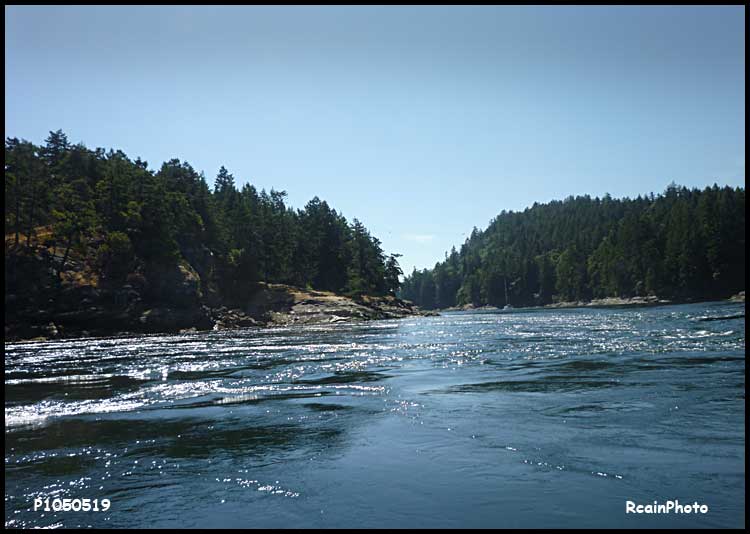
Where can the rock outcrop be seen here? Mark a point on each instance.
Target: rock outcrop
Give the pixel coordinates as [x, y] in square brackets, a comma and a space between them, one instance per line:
[612, 302]
[170, 300]
[280, 304]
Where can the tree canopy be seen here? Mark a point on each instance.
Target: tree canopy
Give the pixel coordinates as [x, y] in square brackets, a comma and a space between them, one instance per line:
[73, 197]
[684, 244]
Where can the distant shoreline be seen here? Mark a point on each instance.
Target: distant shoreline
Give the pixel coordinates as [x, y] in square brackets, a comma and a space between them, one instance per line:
[608, 302]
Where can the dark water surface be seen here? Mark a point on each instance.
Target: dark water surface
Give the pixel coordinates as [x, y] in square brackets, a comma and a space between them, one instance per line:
[544, 418]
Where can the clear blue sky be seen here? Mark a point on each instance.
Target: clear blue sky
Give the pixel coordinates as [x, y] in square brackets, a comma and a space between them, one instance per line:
[422, 122]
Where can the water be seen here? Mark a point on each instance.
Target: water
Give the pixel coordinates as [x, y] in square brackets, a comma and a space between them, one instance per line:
[550, 418]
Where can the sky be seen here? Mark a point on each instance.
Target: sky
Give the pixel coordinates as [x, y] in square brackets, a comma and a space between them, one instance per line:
[422, 122]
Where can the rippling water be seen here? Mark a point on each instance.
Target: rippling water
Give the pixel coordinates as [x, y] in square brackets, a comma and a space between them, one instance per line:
[550, 418]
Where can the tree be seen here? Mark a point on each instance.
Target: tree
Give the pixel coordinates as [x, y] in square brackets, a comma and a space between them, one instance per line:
[55, 148]
[393, 273]
[680, 244]
[116, 258]
[224, 183]
[75, 215]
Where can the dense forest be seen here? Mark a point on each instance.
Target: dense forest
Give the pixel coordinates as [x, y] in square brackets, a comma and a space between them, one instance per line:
[127, 223]
[685, 244]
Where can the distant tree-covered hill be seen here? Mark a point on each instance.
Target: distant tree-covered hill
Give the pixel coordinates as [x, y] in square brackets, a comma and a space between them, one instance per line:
[127, 224]
[683, 244]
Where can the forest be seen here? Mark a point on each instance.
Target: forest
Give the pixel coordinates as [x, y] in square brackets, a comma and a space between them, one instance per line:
[683, 245]
[127, 222]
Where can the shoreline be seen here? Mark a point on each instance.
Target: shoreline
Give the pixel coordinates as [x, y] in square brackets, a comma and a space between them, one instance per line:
[608, 302]
[275, 305]
[270, 306]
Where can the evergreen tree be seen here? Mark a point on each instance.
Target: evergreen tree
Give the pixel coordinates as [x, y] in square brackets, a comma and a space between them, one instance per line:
[683, 244]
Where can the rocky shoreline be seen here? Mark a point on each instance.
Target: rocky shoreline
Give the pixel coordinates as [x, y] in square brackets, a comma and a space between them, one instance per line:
[596, 303]
[270, 305]
[609, 302]
[47, 303]
[612, 302]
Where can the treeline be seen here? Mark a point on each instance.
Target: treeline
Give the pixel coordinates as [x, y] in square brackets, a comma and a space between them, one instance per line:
[74, 200]
[683, 244]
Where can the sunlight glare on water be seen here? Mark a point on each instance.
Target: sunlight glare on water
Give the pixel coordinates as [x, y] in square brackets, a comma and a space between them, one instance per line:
[536, 418]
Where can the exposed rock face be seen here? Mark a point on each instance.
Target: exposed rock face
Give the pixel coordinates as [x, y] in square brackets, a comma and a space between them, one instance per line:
[281, 304]
[162, 298]
[174, 319]
[86, 310]
[178, 285]
[234, 318]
